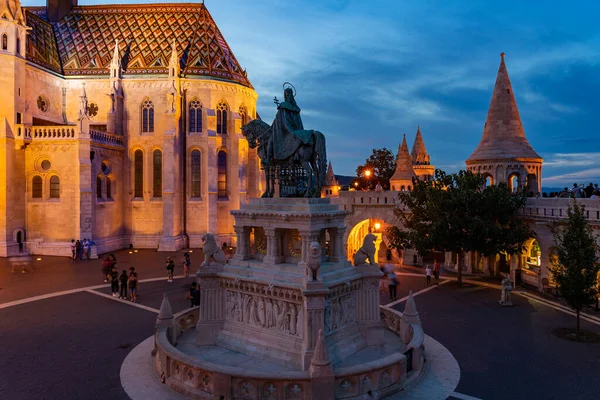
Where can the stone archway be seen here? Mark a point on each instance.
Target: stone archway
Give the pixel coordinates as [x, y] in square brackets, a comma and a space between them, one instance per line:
[367, 221]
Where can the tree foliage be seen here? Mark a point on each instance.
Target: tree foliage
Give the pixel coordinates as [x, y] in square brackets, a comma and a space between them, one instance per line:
[382, 164]
[458, 213]
[575, 268]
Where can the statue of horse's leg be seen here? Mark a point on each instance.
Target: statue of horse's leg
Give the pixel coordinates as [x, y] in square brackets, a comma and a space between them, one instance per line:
[309, 174]
[267, 183]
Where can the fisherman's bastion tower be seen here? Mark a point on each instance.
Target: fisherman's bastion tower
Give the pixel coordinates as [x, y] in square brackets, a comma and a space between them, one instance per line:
[120, 124]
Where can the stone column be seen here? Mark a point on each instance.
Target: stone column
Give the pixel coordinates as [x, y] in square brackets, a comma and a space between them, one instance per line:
[313, 319]
[338, 253]
[368, 317]
[242, 250]
[85, 227]
[274, 255]
[169, 172]
[212, 307]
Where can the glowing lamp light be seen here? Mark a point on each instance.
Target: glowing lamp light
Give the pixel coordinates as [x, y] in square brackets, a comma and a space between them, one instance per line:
[191, 251]
[39, 259]
[377, 225]
[135, 251]
[368, 173]
[355, 184]
[131, 252]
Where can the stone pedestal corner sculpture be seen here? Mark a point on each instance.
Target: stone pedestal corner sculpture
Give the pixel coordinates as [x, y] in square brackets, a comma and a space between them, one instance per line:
[366, 254]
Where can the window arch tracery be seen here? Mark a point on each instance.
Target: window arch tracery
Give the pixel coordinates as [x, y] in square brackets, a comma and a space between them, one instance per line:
[147, 116]
[222, 111]
[195, 116]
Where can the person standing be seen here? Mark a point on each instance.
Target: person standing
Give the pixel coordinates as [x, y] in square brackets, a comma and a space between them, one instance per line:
[392, 284]
[114, 282]
[187, 263]
[73, 249]
[124, 280]
[428, 274]
[77, 250]
[133, 286]
[87, 246]
[170, 265]
[194, 295]
[436, 271]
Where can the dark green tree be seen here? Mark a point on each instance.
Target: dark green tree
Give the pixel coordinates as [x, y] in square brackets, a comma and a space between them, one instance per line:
[381, 164]
[458, 213]
[575, 269]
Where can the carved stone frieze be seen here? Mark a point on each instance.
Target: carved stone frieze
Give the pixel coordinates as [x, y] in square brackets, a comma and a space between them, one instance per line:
[278, 316]
[340, 312]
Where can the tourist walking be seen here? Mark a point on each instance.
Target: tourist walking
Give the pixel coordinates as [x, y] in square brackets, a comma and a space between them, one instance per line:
[106, 267]
[170, 265]
[392, 284]
[74, 250]
[194, 295]
[114, 281]
[124, 280]
[428, 274]
[187, 263]
[133, 286]
[436, 271]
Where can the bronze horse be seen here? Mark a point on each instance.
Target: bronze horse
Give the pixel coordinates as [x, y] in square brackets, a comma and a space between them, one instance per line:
[311, 156]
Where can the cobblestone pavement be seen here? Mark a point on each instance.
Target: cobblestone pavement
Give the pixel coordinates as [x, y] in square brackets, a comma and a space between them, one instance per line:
[72, 346]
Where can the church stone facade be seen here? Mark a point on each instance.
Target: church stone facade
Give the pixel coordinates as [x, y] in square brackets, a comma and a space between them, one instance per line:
[120, 124]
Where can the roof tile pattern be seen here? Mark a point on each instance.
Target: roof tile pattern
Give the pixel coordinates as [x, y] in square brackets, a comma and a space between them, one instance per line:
[503, 134]
[86, 36]
[41, 46]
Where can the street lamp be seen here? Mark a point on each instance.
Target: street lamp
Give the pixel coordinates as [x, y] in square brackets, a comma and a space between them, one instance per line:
[377, 226]
[368, 173]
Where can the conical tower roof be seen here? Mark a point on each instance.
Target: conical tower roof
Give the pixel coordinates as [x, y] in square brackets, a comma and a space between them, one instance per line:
[419, 152]
[404, 169]
[330, 177]
[503, 134]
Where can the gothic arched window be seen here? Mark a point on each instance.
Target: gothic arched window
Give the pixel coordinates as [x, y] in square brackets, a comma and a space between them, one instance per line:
[55, 187]
[18, 46]
[138, 161]
[98, 187]
[222, 174]
[108, 188]
[195, 174]
[243, 115]
[147, 116]
[222, 110]
[36, 187]
[157, 175]
[195, 124]
[5, 42]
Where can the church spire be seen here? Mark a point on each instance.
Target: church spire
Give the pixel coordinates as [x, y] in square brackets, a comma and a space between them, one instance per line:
[503, 135]
[330, 177]
[115, 64]
[402, 178]
[419, 152]
[174, 61]
[11, 11]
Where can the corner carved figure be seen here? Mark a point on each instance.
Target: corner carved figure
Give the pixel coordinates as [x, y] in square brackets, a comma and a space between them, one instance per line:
[313, 263]
[366, 252]
[213, 255]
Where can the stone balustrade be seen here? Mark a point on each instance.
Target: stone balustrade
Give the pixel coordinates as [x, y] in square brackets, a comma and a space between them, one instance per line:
[105, 138]
[62, 132]
[556, 208]
[197, 378]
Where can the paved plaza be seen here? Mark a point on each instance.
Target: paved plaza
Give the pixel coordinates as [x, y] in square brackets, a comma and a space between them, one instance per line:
[71, 344]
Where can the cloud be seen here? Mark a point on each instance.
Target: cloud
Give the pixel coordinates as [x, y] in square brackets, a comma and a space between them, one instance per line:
[583, 175]
[571, 159]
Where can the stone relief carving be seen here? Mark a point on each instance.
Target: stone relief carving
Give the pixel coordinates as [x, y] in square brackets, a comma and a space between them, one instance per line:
[340, 312]
[275, 315]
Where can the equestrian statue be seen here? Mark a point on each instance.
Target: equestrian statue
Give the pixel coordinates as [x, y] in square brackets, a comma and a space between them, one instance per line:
[286, 144]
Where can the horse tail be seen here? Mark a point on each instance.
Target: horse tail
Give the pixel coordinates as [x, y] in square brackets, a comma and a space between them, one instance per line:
[321, 155]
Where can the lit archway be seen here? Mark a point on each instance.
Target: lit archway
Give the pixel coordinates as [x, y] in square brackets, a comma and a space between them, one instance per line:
[513, 182]
[360, 230]
[489, 180]
[533, 253]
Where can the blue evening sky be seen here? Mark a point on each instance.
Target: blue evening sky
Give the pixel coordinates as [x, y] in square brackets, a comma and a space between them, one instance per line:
[368, 72]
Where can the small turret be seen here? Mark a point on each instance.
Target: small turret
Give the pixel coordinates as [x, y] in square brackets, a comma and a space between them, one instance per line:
[404, 174]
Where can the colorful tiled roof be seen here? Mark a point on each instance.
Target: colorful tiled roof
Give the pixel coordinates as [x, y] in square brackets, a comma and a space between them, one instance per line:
[41, 45]
[85, 39]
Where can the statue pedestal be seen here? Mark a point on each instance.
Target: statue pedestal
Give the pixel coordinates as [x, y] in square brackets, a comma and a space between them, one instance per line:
[267, 305]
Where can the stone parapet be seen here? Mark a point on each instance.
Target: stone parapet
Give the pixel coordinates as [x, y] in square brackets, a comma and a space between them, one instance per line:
[197, 378]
